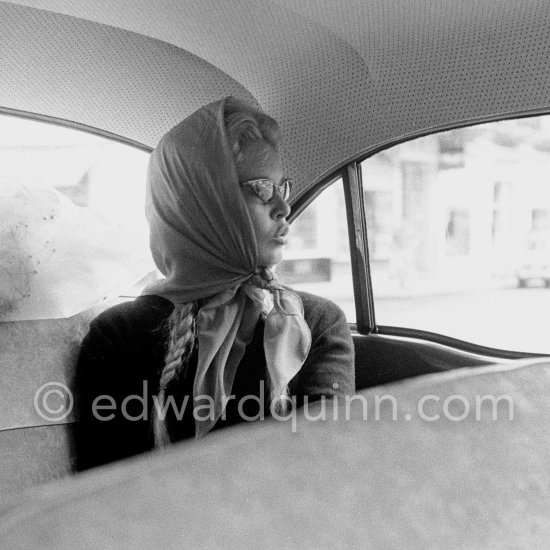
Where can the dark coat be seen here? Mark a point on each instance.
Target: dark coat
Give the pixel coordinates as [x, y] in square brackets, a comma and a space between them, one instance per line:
[122, 357]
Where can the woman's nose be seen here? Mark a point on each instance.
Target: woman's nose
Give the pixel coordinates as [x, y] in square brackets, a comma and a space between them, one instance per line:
[281, 208]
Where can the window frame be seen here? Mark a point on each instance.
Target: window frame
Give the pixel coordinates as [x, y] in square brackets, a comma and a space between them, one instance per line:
[350, 173]
[353, 194]
[77, 127]
[56, 121]
[365, 305]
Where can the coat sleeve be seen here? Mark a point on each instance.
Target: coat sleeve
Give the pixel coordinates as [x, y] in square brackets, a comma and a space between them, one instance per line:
[113, 397]
[330, 367]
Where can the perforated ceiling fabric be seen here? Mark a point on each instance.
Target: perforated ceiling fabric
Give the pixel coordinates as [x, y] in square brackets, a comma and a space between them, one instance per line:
[100, 76]
[436, 63]
[307, 79]
[342, 77]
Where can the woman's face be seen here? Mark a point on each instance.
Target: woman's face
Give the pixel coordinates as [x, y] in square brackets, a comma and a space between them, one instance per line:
[269, 220]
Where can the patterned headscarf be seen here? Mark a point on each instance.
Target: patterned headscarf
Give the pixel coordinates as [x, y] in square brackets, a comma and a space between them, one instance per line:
[203, 242]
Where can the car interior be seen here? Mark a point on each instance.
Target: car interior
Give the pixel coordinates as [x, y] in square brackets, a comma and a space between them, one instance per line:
[417, 139]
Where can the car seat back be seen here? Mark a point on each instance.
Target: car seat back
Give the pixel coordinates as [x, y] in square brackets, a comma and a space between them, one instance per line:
[37, 398]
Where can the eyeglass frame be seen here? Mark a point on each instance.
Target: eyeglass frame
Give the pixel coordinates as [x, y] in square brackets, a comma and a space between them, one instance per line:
[285, 184]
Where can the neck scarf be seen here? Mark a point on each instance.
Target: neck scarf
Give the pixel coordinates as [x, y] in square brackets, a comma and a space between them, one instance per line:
[203, 242]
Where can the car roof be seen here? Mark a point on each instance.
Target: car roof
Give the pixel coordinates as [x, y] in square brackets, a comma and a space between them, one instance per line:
[343, 78]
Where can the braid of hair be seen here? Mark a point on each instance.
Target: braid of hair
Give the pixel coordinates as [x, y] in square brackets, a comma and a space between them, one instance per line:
[180, 344]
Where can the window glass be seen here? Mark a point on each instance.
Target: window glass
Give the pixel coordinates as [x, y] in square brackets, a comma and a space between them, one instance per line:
[317, 257]
[72, 227]
[459, 233]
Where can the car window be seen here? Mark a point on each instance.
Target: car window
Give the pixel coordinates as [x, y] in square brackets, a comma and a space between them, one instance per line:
[72, 227]
[317, 258]
[459, 233]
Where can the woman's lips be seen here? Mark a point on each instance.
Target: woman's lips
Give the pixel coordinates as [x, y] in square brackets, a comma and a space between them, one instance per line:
[281, 239]
[282, 235]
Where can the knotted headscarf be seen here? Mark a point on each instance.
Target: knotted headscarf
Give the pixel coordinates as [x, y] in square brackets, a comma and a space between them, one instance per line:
[203, 242]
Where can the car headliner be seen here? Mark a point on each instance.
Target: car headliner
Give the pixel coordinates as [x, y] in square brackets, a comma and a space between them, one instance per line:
[343, 78]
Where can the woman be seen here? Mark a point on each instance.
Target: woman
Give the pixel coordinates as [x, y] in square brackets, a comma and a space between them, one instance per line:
[217, 340]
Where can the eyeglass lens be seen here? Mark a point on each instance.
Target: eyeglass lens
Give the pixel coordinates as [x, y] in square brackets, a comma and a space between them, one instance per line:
[266, 189]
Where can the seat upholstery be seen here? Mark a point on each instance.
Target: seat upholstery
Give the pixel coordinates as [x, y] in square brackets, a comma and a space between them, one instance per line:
[374, 482]
[33, 353]
[382, 360]
[34, 455]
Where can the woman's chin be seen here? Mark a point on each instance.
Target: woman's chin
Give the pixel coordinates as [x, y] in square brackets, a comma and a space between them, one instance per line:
[269, 260]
